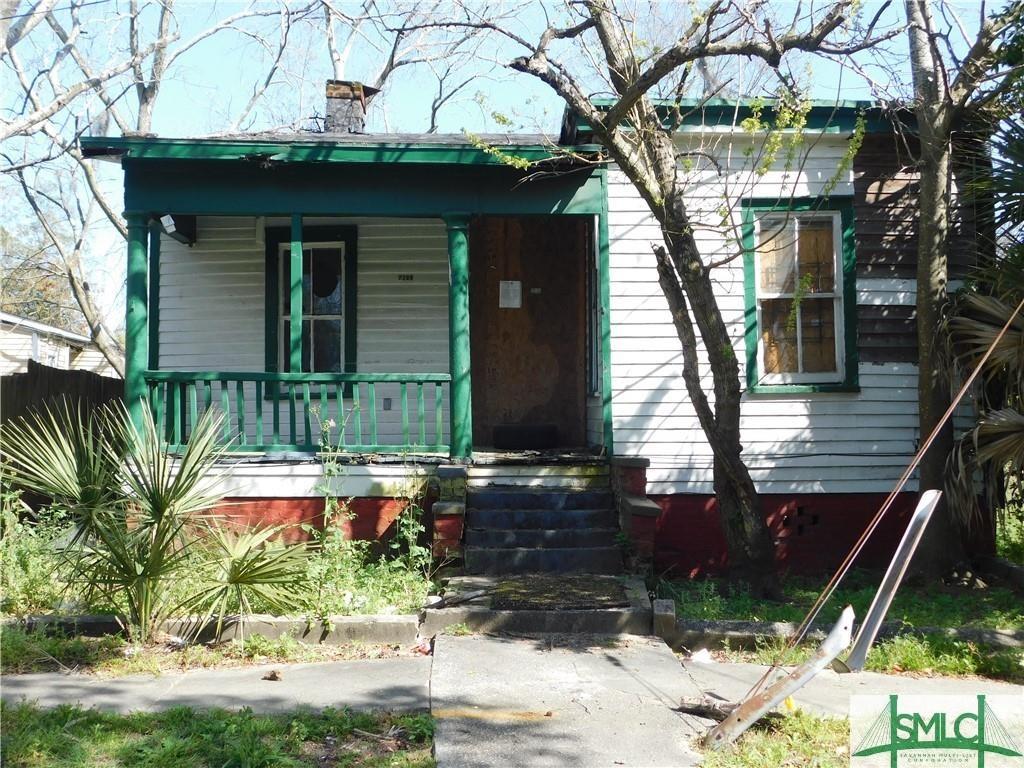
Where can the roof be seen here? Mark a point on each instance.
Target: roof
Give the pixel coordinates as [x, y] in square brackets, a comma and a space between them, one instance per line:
[698, 114]
[278, 147]
[37, 327]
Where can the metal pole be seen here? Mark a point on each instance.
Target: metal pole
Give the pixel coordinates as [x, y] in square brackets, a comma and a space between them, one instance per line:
[891, 580]
[752, 709]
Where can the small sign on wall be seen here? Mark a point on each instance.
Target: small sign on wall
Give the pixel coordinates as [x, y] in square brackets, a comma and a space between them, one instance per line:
[510, 294]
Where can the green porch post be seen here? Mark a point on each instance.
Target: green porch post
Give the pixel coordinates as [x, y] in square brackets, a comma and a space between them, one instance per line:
[461, 389]
[295, 292]
[136, 324]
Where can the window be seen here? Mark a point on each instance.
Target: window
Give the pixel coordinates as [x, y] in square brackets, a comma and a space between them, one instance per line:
[323, 309]
[328, 299]
[799, 273]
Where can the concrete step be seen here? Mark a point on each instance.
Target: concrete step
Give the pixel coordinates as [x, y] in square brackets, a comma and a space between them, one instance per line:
[480, 617]
[518, 498]
[555, 560]
[540, 537]
[539, 519]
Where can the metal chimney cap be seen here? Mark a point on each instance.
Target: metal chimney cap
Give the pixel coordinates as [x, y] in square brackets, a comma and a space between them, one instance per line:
[349, 89]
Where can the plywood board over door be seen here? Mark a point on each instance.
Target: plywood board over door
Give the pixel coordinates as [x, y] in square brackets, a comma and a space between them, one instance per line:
[529, 361]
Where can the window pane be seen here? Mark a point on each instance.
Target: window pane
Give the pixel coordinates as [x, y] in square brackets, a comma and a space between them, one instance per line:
[307, 281]
[817, 254]
[306, 325]
[778, 337]
[327, 288]
[818, 335]
[776, 252]
[327, 346]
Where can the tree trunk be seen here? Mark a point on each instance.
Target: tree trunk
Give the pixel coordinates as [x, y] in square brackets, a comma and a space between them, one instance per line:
[941, 546]
[690, 294]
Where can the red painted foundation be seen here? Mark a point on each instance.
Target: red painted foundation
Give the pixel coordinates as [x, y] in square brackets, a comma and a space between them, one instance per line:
[812, 533]
[372, 517]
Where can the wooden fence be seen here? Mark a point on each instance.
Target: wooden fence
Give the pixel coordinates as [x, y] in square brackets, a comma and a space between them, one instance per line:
[41, 386]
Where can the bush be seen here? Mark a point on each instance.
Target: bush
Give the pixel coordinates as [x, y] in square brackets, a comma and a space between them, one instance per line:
[32, 579]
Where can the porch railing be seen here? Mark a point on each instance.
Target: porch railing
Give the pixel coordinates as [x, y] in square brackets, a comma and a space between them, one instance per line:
[354, 412]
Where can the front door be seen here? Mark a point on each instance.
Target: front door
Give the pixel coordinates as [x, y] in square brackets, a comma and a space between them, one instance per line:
[528, 331]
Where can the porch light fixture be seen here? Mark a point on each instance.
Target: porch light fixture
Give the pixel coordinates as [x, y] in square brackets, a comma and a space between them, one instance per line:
[172, 230]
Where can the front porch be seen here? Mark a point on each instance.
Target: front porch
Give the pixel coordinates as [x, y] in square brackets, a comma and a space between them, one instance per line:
[420, 256]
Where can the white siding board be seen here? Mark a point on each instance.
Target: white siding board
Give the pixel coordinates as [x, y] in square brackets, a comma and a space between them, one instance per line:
[806, 443]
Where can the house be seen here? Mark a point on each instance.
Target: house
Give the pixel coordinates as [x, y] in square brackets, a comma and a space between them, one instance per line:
[432, 309]
[22, 339]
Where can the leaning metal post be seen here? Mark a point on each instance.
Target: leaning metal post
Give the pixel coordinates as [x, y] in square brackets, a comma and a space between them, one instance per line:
[891, 581]
[750, 710]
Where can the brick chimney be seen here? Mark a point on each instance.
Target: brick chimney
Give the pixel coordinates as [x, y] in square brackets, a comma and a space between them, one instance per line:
[346, 106]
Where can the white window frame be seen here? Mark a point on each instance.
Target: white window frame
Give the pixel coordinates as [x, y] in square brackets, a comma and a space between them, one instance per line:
[837, 294]
[283, 284]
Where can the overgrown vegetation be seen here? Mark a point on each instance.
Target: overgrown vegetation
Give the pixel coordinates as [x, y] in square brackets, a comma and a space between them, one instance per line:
[129, 533]
[931, 604]
[795, 740]
[1010, 535]
[70, 736]
[24, 651]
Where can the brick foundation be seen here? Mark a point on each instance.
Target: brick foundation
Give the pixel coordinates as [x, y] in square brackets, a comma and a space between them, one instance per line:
[812, 533]
[373, 518]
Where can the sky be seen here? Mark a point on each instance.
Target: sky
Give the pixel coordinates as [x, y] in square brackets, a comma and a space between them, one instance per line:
[208, 85]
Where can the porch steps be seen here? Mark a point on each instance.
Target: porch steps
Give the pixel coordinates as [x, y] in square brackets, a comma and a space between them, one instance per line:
[541, 520]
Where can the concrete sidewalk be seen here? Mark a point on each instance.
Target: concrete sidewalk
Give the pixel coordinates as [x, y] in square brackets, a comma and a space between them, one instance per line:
[504, 701]
[395, 685]
[829, 693]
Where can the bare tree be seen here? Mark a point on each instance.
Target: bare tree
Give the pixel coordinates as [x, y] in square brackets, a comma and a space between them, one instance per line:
[953, 92]
[71, 85]
[602, 42]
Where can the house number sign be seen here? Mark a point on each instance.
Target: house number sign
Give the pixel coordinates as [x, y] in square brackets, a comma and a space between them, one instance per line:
[510, 294]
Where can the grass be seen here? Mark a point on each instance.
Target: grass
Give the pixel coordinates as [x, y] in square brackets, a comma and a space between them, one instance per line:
[919, 605]
[795, 740]
[70, 736]
[907, 654]
[113, 656]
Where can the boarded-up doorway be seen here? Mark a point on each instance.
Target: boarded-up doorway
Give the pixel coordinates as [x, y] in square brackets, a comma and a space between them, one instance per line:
[528, 331]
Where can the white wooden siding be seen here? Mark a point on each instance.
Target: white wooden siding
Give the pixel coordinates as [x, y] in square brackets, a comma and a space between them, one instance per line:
[212, 307]
[800, 443]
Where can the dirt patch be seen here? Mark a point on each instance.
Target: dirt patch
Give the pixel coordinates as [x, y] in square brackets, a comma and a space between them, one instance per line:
[558, 593]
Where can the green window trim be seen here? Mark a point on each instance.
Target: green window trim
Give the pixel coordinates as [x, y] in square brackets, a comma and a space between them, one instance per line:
[752, 209]
[275, 237]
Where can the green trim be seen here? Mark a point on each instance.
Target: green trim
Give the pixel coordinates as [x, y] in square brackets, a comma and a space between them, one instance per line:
[604, 279]
[174, 398]
[207, 188]
[155, 230]
[273, 238]
[295, 293]
[136, 326]
[312, 151]
[460, 391]
[757, 206]
[311, 378]
[835, 117]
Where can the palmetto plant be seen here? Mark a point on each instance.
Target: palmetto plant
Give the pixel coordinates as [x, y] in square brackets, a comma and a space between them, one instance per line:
[141, 511]
[996, 442]
[69, 456]
[246, 567]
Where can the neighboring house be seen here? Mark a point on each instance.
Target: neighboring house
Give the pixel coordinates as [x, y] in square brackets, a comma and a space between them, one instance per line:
[444, 307]
[22, 340]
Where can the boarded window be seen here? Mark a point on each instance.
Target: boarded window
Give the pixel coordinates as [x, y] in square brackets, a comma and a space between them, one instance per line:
[799, 297]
